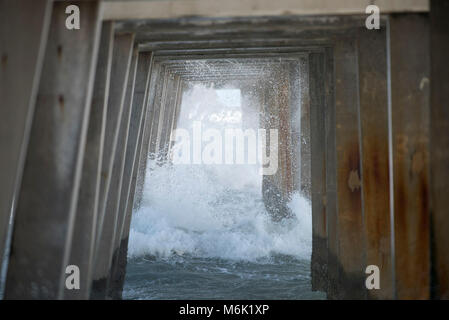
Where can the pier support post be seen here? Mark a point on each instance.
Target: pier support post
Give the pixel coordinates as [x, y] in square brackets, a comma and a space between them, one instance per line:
[373, 93]
[22, 55]
[330, 197]
[316, 75]
[176, 111]
[83, 242]
[113, 148]
[139, 105]
[439, 145]
[158, 123]
[304, 138]
[167, 122]
[277, 187]
[48, 196]
[146, 120]
[350, 233]
[410, 98]
[150, 130]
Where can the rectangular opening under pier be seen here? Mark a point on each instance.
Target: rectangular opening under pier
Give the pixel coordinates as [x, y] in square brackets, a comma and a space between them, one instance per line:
[339, 121]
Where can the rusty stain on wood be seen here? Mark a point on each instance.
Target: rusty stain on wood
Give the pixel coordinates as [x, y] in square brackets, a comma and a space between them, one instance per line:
[373, 92]
[410, 130]
[351, 248]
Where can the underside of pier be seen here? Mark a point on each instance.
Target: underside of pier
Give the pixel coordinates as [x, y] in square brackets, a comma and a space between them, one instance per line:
[362, 117]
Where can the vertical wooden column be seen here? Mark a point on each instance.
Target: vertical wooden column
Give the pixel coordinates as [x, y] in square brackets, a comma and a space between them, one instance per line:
[316, 76]
[272, 192]
[351, 248]
[83, 242]
[304, 138]
[168, 116]
[148, 144]
[285, 144]
[330, 198]
[112, 163]
[107, 242]
[121, 59]
[21, 53]
[373, 91]
[410, 94]
[295, 74]
[119, 278]
[159, 122]
[176, 110]
[139, 106]
[47, 202]
[146, 119]
[439, 144]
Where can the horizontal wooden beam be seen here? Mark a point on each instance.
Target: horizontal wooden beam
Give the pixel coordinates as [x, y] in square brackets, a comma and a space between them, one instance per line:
[176, 9]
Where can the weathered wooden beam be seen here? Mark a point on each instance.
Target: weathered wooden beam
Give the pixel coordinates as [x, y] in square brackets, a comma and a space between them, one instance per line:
[22, 55]
[121, 61]
[176, 112]
[138, 108]
[115, 190]
[168, 120]
[307, 12]
[83, 242]
[439, 144]
[277, 186]
[351, 248]
[295, 100]
[146, 150]
[304, 137]
[158, 123]
[410, 94]
[113, 202]
[330, 198]
[315, 69]
[373, 95]
[122, 259]
[46, 205]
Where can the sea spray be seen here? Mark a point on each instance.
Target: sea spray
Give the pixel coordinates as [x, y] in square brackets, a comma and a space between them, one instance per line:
[187, 210]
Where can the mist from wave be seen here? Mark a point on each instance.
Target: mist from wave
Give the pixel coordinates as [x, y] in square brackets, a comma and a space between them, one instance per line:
[207, 211]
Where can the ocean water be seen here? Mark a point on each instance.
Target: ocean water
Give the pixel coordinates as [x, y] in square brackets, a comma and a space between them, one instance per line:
[203, 233]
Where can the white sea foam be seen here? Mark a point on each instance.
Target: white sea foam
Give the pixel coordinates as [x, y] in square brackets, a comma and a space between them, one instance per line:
[213, 210]
[189, 209]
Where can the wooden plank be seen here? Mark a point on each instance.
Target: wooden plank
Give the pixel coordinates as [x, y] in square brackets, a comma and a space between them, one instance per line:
[115, 189]
[318, 170]
[121, 65]
[83, 242]
[47, 202]
[148, 144]
[121, 58]
[22, 55]
[159, 122]
[122, 259]
[304, 130]
[176, 111]
[330, 198]
[410, 94]
[349, 188]
[138, 108]
[439, 144]
[178, 9]
[168, 117]
[373, 92]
